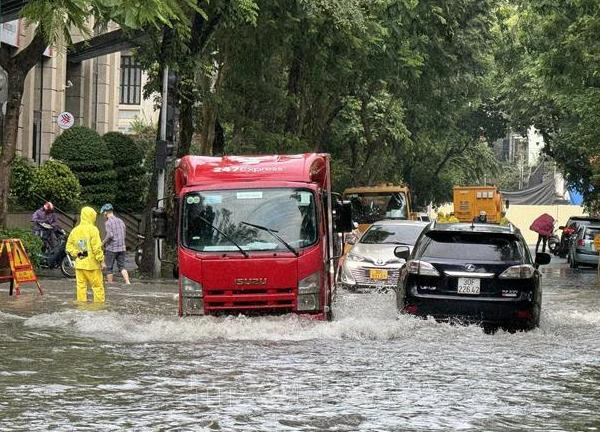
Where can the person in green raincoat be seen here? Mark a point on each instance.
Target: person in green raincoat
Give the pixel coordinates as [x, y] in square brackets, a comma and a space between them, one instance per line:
[84, 244]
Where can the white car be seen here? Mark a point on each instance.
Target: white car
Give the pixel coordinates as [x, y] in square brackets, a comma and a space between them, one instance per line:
[371, 264]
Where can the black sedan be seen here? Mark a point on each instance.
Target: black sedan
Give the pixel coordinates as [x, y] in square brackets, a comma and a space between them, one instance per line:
[480, 273]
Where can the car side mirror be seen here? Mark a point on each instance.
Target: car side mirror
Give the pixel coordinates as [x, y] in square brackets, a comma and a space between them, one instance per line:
[542, 258]
[562, 227]
[159, 222]
[507, 204]
[402, 252]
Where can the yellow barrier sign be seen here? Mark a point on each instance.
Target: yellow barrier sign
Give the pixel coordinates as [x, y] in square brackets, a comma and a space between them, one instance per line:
[15, 266]
[597, 242]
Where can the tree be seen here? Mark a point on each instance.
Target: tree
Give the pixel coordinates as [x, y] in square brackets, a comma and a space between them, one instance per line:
[87, 155]
[127, 160]
[53, 21]
[549, 79]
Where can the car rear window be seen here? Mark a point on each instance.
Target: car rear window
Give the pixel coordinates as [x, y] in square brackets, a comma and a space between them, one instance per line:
[394, 234]
[591, 233]
[471, 246]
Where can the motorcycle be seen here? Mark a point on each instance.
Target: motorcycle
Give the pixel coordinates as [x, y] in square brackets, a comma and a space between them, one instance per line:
[554, 244]
[139, 249]
[54, 254]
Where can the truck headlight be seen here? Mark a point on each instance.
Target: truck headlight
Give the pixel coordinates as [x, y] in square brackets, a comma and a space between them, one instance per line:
[310, 284]
[191, 287]
[191, 293]
[309, 289]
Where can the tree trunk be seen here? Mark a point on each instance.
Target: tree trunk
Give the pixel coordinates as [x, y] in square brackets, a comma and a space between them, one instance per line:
[186, 128]
[16, 67]
[16, 83]
[219, 143]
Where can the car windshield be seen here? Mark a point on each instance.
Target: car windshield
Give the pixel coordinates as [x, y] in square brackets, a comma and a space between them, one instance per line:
[486, 247]
[591, 233]
[395, 234]
[288, 213]
[373, 207]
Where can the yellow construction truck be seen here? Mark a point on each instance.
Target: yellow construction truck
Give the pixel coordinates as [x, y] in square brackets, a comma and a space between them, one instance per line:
[374, 203]
[469, 201]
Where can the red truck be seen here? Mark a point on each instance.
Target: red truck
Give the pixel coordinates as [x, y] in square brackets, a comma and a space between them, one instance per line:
[256, 234]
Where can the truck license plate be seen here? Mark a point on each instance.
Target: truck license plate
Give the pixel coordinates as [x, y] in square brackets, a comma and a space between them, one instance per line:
[378, 274]
[468, 286]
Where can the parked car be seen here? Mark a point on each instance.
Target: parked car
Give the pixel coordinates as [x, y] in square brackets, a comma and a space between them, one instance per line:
[569, 232]
[371, 263]
[582, 251]
[481, 273]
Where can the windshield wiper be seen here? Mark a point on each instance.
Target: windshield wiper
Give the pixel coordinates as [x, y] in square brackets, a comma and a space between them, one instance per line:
[272, 232]
[206, 221]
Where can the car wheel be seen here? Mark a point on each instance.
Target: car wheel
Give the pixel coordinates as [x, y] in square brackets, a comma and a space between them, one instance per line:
[574, 264]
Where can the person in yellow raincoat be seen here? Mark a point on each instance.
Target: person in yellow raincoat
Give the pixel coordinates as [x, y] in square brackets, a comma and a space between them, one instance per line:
[85, 245]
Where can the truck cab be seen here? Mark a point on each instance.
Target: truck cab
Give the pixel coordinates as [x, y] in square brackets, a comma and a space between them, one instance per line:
[256, 235]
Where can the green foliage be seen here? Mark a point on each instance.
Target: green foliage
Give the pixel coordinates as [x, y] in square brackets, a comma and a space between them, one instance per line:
[21, 181]
[549, 78]
[32, 243]
[127, 160]
[55, 182]
[59, 17]
[87, 155]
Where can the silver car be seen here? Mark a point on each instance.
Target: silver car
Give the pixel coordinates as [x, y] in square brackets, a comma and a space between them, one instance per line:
[582, 250]
[371, 263]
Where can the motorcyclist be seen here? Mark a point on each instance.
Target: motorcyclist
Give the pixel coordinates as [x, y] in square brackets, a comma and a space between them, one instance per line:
[45, 224]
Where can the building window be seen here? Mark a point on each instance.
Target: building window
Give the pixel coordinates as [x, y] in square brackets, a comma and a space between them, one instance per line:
[131, 81]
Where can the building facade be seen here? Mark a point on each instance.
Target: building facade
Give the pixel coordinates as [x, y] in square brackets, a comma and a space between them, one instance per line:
[104, 93]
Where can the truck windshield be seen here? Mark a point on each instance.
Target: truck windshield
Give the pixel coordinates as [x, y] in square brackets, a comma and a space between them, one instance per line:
[373, 207]
[290, 213]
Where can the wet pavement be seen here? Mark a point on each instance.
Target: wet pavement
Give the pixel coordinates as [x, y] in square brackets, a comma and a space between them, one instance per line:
[134, 365]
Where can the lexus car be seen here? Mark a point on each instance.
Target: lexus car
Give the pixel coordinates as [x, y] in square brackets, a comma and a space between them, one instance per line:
[481, 273]
[371, 263]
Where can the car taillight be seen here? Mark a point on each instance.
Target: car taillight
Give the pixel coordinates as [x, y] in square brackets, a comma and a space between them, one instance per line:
[410, 309]
[422, 268]
[524, 271]
[580, 242]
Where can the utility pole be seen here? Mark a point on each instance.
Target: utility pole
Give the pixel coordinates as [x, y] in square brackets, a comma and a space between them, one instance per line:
[160, 192]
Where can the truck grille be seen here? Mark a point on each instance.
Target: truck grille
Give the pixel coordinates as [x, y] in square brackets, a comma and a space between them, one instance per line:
[245, 299]
[362, 277]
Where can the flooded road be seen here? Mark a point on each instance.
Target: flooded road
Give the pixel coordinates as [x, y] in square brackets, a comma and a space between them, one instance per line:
[135, 366]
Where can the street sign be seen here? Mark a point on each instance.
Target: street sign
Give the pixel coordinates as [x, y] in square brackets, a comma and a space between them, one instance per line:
[65, 120]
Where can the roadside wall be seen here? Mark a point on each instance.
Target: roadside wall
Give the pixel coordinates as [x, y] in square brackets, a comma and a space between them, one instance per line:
[523, 215]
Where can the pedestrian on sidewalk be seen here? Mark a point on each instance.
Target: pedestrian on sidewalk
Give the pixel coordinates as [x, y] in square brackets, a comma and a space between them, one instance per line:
[84, 244]
[114, 244]
[544, 226]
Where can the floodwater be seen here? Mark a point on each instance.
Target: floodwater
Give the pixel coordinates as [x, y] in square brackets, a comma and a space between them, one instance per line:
[135, 366]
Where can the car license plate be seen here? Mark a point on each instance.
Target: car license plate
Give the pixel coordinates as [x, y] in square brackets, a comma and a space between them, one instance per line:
[378, 274]
[468, 286]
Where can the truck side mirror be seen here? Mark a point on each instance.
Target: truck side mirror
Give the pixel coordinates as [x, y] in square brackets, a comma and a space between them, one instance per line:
[159, 223]
[343, 217]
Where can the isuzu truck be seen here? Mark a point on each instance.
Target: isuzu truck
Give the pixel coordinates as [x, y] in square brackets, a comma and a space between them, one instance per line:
[256, 234]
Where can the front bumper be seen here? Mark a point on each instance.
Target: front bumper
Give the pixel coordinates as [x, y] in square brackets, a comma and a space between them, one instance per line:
[356, 276]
